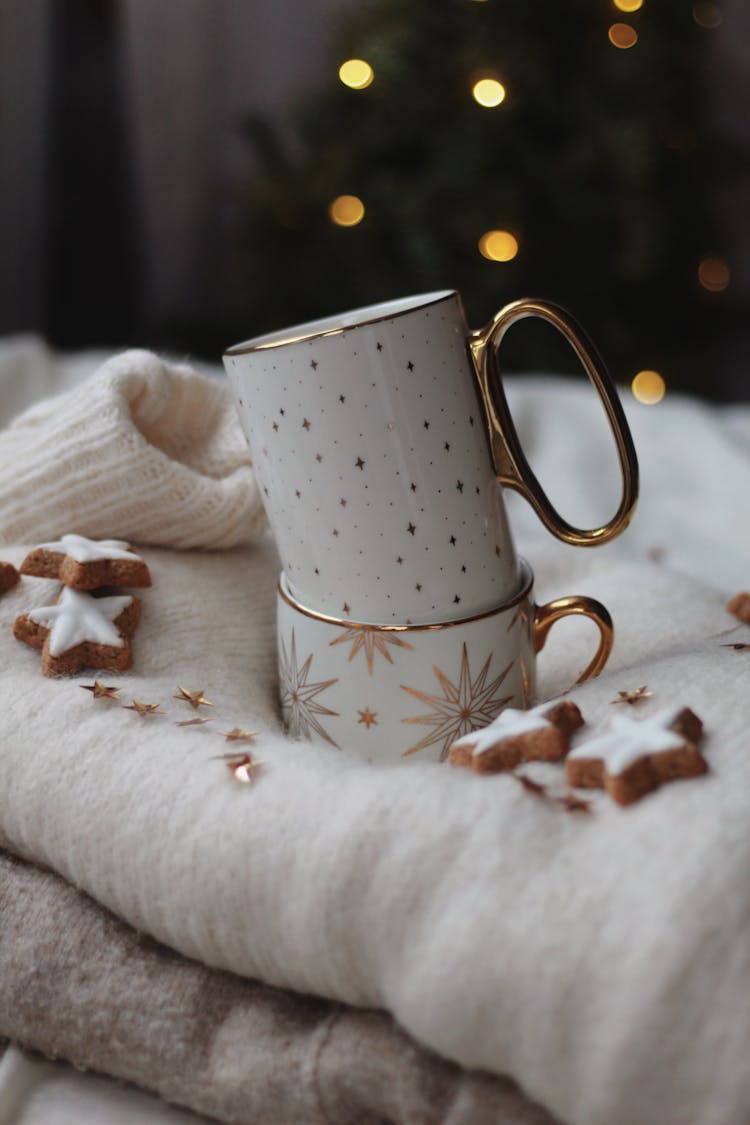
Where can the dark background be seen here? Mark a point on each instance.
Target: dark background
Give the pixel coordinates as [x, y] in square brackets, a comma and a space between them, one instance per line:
[126, 176]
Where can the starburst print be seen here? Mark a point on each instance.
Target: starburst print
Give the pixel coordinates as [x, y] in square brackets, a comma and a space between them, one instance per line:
[371, 641]
[461, 708]
[298, 696]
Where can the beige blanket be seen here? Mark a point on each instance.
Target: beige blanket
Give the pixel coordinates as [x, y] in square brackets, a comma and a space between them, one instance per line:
[600, 961]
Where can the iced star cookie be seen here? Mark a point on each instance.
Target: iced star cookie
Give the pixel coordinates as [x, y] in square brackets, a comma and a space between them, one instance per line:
[634, 757]
[86, 564]
[8, 576]
[81, 631]
[539, 735]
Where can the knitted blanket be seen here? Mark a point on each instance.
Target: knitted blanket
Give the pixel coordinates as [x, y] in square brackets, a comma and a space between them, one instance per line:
[76, 983]
[599, 960]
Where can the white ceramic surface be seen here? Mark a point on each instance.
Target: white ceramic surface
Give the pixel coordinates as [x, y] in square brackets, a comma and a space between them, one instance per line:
[368, 440]
[405, 693]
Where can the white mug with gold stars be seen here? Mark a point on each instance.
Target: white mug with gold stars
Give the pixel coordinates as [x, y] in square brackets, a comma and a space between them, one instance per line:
[381, 439]
[393, 692]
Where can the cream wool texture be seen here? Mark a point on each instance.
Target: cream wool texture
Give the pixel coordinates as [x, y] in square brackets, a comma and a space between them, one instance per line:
[601, 961]
[148, 444]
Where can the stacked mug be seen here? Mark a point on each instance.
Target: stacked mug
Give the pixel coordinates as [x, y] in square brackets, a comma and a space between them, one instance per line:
[382, 440]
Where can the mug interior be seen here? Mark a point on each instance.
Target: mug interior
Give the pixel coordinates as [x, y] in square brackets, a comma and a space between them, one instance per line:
[354, 318]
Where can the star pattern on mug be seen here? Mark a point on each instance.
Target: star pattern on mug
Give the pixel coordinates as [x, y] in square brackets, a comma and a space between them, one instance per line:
[372, 434]
[370, 641]
[461, 706]
[299, 703]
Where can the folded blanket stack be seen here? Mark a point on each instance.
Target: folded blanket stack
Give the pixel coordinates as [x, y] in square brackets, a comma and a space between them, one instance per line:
[599, 961]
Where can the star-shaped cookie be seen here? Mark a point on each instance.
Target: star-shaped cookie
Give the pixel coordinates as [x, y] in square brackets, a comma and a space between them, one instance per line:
[541, 734]
[631, 758]
[81, 631]
[87, 564]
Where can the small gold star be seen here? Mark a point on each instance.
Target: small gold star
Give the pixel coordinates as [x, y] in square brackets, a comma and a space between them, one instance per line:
[342, 502]
[399, 560]
[497, 551]
[346, 607]
[413, 487]
[411, 528]
[241, 766]
[237, 734]
[410, 365]
[318, 457]
[632, 697]
[426, 425]
[100, 690]
[196, 699]
[460, 485]
[447, 446]
[144, 709]
[342, 398]
[379, 346]
[193, 722]
[368, 717]
[306, 425]
[313, 364]
[335, 531]
[418, 587]
[275, 426]
[360, 463]
[453, 541]
[297, 493]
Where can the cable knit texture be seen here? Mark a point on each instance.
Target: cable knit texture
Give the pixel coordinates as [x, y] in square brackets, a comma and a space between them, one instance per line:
[145, 448]
[601, 961]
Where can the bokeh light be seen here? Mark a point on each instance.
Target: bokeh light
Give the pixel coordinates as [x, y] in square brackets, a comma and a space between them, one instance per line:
[488, 92]
[346, 210]
[713, 274]
[622, 35]
[498, 246]
[356, 73]
[648, 387]
[628, 5]
[707, 15]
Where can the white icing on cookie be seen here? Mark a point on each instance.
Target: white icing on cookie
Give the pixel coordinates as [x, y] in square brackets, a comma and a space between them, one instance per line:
[508, 724]
[627, 740]
[79, 617]
[90, 550]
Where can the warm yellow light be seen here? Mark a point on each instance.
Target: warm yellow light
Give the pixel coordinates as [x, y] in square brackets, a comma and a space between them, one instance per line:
[707, 15]
[498, 246]
[713, 274]
[622, 35]
[488, 92]
[648, 387]
[628, 5]
[346, 210]
[356, 73]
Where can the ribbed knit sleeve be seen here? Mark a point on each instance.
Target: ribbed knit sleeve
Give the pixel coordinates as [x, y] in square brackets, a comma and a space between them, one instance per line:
[144, 450]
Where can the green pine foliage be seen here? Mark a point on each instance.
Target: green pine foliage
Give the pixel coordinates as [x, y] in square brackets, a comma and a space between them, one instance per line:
[601, 161]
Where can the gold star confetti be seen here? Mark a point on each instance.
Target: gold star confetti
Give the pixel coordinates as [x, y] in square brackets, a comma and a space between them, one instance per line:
[144, 709]
[368, 717]
[306, 424]
[193, 722]
[360, 463]
[196, 699]
[237, 734]
[100, 690]
[241, 766]
[633, 697]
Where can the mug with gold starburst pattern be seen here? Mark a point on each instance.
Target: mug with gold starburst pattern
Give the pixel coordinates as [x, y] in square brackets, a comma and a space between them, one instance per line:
[394, 692]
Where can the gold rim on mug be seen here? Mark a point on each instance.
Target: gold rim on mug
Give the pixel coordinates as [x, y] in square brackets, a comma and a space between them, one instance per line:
[345, 623]
[248, 346]
[544, 617]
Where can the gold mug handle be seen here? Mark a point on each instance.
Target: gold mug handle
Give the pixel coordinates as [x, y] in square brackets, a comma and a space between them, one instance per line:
[509, 461]
[545, 617]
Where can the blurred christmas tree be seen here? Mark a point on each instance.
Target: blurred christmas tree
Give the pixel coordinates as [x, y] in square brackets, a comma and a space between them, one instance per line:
[506, 148]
